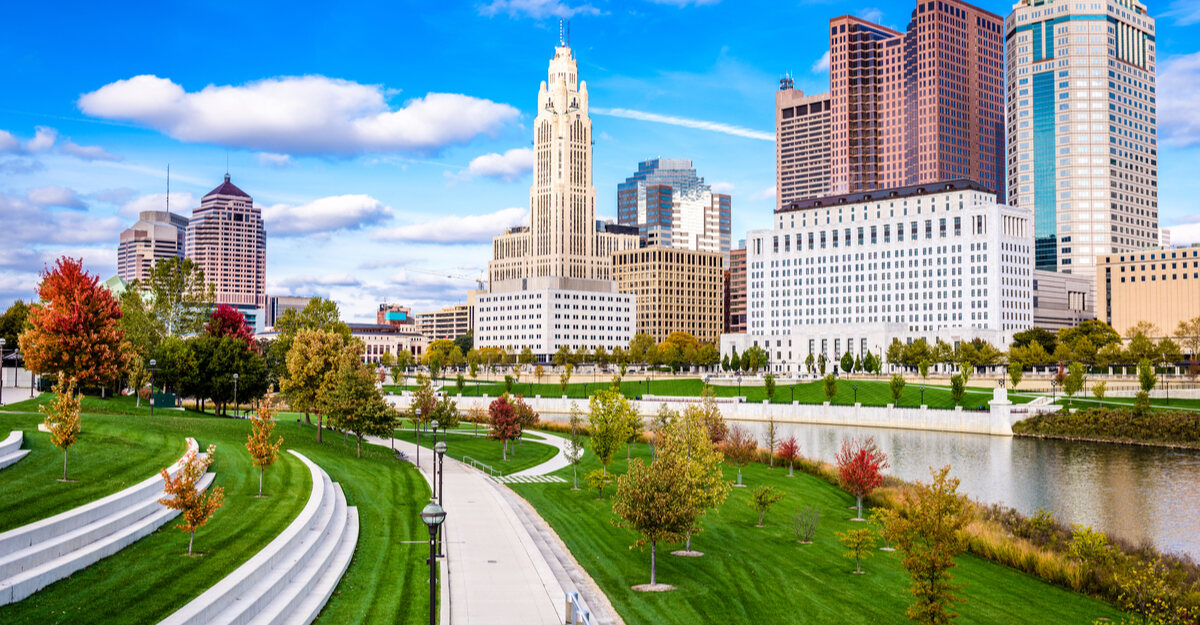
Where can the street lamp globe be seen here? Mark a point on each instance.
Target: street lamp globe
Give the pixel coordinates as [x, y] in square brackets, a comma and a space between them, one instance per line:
[432, 516]
[433, 424]
[440, 448]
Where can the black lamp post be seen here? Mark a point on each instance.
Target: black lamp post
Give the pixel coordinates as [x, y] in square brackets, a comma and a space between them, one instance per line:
[922, 394]
[152, 364]
[235, 404]
[440, 449]
[434, 425]
[2, 342]
[855, 387]
[1166, 388]
[433, 516]
[16, 359]
[417, 432]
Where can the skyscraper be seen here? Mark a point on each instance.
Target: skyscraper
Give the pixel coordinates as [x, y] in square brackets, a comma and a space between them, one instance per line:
[802, 144]
[156, 235]
[225, 238]
[919, 106]
[1082, 125]
[563, 239]
[672, 206]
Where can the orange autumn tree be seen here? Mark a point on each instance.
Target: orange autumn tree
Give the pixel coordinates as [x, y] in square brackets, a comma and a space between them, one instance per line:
[62, 418]
[263, 452]
[74, 331]
[197, 507]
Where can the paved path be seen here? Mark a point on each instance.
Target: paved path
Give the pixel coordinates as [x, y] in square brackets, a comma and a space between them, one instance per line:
[550, 466]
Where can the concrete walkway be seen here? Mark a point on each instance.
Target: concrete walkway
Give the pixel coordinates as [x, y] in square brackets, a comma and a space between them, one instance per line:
[550, 466]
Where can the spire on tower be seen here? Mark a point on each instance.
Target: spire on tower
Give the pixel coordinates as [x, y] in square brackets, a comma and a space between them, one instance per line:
[564, 32]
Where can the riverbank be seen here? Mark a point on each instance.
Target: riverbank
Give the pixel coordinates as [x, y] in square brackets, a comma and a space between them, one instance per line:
[1174, 429]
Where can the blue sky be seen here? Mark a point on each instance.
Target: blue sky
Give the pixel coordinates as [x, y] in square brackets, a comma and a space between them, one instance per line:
[387, 142]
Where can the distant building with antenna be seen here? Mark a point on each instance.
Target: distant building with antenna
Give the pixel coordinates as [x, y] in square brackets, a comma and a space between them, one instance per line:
[155, 236]
[226, 239]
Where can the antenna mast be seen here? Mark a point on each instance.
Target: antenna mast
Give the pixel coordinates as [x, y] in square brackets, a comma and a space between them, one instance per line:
[168, 187]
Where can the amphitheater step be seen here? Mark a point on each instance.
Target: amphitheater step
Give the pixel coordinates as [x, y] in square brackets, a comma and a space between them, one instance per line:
[529, 479]
[11, 458]
[12, 443]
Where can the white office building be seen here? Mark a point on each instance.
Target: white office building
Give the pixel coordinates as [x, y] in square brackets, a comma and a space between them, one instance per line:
[850, 273]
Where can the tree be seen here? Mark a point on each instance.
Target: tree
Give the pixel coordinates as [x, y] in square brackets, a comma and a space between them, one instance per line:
[789, 449]
[633, 428]
[318, 314]
[598, 480]
[354, 404]
[897, 387]
[707, 487]
[216, 360]
[804, 522]
[538, 372]
[227, 321]
[74, 331]
[762, 499]
[1168, 351]
[830, 387]
[574, 449]
[62, 417]
[923, 368]
[640, 347]
[460, 382]
[508, 383]
[263, 451]
[858, 544]
[1094, 331]
[809, 362]
[424, 401]
[564, 380]
[755, 358]
[1146, 380]
[821, 363]
[895, 352]
[735, 362]
[138, 376]
[856, 365]
[12, 322]
[197, 507]
[505, 425]
[1075, 379]
[769, 386]
[142, 330]
[465, 342]
[741, 447]
[965, 369]
[445, 412]
[1099, 389]
[178, 295]
[1188, 334]
[957, 388]
[1140, 340]
[1046, 339]
[772, 440]
[526, 415]
[860, 465]
[1015, 373]
[653, 500]
[312, 366]
[714, 422]
[725, 363]
[610, 419]
[928, 531]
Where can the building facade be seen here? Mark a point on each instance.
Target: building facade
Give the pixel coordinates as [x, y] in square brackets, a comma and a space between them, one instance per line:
[672, 206]
[1082, 120]
[920, 106]
[226, 239]
[448, 323]
[675, 290]
[1154, 285]
[1062, 300]
[850, 273]
[395, 315]
[155, 235]
[802, 144]
[735, 291]
[386, 339]
[563, 238]
[545, 314]
[278, 304]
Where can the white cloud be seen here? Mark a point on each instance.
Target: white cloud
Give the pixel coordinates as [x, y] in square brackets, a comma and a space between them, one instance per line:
[821, 65]
[1185, 234]
[871, 14]
[56, 196]
[1183, 12]
[1179, 106]
[683, 3]
[26, 222]
[536, 8]
[271, 159]
[299, 115]
[43, 139]
[766, 194]
[454, 229]
[339, 212]
[181, 202]
[8, 143]
[87, 152]
[511, 165]
[722, 187]
[699, 124]
[308, 283]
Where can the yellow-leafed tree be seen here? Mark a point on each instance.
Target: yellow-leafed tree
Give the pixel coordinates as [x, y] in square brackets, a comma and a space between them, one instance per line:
[196, 507]
[62, 417]
[263, 451]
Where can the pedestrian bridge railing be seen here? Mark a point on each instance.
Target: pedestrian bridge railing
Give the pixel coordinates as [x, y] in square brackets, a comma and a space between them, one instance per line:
[577, 612]
[480, 466]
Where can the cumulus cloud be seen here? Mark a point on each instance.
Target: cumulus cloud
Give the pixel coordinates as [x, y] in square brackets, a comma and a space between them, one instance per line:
[685, 122]
[299, 115]
[1179, 106]
[509, 166]
[27, 221]
[1186, 233]
[821, 65]
[456, 230]
[88, 152]
[683, 3]
[20, 166]
[61, 197]
[8, 143]
[1183, 12]
[271, 159]
[536, 8]
[722, 187]
[339, 212]
[181, 202]
[304, 284]
[766, 194]
[44, 140]
[871, 14]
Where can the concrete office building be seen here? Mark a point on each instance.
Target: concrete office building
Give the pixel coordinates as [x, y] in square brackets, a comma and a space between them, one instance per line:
[155, 235]
[1062, 300]
[448, 323]
[278, 304]
[851, 273]
[802, 144]
[225, 238]
[919, 106]
[735, 291]
[1154, 285]
[671, 206]
[380, 339]
[1082, 120]
[549, 313]
[676, 290]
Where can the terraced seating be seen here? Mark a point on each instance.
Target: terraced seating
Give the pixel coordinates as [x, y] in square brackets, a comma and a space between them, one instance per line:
[290, 579]
[10, 449]
[36, 555]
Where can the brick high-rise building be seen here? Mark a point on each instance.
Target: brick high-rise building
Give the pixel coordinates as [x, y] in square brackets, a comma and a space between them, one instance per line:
[155, 236]
[225, 238]
[735, 291]
[677, 290]
[802, 144]
[672, 206]
[920, 106]
[1082, 145]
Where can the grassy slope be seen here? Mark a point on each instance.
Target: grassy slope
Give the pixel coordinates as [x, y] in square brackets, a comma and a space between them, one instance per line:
[148, 580]
[753, 575]
[521, 455]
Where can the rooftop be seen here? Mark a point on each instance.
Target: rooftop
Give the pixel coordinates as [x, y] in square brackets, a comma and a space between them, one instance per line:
[227, 188]
[883, 194]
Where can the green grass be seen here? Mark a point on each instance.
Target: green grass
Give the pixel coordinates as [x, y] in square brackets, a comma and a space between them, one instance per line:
[148, 580]
[1086, 401]
[762, 575]
[870, 393]
[521, 455]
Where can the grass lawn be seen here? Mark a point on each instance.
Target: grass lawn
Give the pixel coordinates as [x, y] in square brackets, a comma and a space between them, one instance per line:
[870, 393]
[148, 580]
[762, 575]
[521, 455]
[1087, 401]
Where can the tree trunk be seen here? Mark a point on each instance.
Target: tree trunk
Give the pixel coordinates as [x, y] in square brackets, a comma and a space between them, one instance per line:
[739, 482]
[64, 465]
[504, 454]
[791, 466]
[260, 478]
[857, 564]
[307, 420]
[860, 516]
[627, 446]
[575, 476]
[191, 539]
[320, 426]
[761, 514]
[653, 572]
[359, 445]
[687, 546]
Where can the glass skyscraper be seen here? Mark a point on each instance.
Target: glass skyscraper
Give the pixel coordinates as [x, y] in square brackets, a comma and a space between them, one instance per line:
[670, 205]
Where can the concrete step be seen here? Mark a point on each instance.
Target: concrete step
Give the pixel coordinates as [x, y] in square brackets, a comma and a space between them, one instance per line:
[31, 580]
[12, 443]
[12, 457]
[310, 606]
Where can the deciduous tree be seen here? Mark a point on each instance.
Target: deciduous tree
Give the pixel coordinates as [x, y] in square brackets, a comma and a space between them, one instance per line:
[1075, 379]
[772, 440]
[654, 501]
[12, 322]
[707, 486]
[858, 544]
[1147, 379]
[263, 451]
[197, 507]
[830, 387]
[769, 386]
[847, 362]
[565, 379]
[179, 297]
[505, 424]
[860, 465]
[1015, 373]
[226, 321]
[62, 417]
[574, 449]
[789, 449]
[957, 388]
[610, 417]
[312, 366]
[741, 447]
[762, 499]
[897, 387]
[354, 404]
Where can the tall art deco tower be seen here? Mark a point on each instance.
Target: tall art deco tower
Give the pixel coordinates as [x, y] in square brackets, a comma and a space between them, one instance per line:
[563, 239]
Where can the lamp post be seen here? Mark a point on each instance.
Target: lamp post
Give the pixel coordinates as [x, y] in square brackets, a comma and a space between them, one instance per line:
[434, 426]
[235, 404]
[152, 363]
[433, 516]
[922, 394]
[1166, 388]
[440, 449]
[2, 342]
[855, 387]
[417, 432]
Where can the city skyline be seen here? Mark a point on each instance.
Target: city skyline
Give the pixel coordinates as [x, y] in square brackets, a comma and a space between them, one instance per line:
[371, 188]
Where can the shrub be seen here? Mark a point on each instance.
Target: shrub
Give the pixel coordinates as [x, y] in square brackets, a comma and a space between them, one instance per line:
[805, 524]
[762, 499]
[599, 480]
[897, 387]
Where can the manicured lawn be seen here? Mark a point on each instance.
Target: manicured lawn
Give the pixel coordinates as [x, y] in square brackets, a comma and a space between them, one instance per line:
[762, 575]
[1157, 402]
[870, 392]
[521, 455]
[148, 580]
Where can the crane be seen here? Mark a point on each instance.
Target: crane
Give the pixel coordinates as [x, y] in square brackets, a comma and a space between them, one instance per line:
[445, 274]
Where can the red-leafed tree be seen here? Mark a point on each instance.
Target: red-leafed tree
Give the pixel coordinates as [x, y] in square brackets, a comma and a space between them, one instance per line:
[860, 465]
[227, 321]
[505, 422]
[75, 330]
[789, 449]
